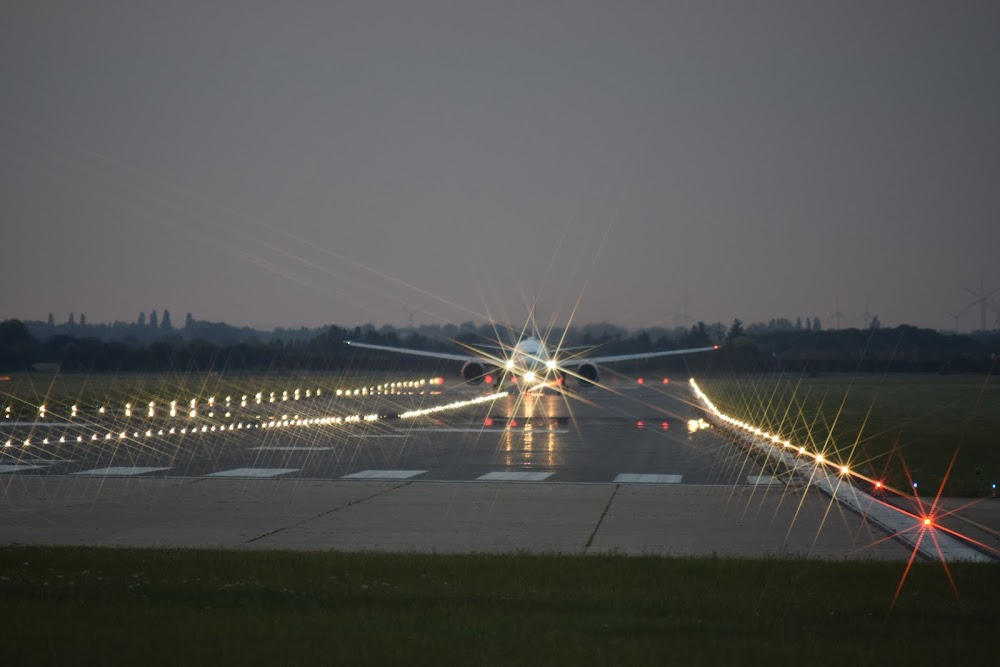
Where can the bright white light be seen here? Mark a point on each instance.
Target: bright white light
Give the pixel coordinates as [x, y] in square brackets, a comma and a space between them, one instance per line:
[529, 377]
[510, 364]
[550, 364]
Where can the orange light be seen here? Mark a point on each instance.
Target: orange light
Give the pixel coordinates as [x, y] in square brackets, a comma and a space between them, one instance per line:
[878, 485]
[927, 521]
[437, 381]
[666, 380]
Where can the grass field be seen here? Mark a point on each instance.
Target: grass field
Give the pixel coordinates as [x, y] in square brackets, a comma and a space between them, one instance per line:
[882, 425]
[151, 607]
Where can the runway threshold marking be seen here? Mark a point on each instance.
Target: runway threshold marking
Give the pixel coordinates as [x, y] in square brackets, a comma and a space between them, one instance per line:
[635, 478]
[253, 472]
[290, 449]
[514, 477]
[764, 480]
[121, 471]
[17, 467]
[488, 429]
[384, 474]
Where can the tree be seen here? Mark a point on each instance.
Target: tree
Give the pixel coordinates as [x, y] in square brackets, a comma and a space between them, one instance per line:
[188, 322]
[817, 324]
[142, 319]
[165, 322]
[51, 321]
[153, 320]
[736, 330]
[83, 320]
[72, 320]
[798, 324]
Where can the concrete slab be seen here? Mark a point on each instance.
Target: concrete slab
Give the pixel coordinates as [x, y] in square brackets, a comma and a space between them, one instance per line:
[198, 513]
[458, 518]
[736, 521]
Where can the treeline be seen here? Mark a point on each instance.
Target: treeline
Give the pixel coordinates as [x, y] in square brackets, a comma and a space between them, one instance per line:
[899, 349]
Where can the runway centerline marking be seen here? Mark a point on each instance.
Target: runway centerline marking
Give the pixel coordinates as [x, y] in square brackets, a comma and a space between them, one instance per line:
[253, 472]
[384, 474]
[637, 478]
[122, 471]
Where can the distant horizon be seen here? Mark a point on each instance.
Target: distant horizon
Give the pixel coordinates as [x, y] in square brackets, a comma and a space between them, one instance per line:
[178, 324]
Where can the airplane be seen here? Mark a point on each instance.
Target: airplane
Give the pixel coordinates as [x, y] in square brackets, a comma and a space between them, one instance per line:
[532, 365]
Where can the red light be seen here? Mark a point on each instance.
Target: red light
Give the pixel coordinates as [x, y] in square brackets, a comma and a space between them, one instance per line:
[639, 424]
[641, 381]
[488, 422]
[927, 521]
[666, 380]
[513, 423]
[878, 485]
[665, 425]
[488, 379]
[437, 381]
[715, 347]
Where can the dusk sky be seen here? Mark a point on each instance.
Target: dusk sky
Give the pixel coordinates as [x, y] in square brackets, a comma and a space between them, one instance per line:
[287, 164]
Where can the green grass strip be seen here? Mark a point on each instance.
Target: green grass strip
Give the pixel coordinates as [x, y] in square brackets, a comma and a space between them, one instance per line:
[152, 607]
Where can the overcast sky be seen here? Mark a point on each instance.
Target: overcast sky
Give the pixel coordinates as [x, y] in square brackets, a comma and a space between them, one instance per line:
[286, 164]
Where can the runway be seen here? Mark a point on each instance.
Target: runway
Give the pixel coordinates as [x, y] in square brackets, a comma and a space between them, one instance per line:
[629, 470]
[635, 434]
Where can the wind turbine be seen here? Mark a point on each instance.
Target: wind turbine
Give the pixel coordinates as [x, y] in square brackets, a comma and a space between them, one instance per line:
[983, 299]
[836, 315]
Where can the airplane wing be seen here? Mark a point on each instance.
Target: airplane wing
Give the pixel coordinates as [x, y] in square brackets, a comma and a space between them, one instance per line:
[567, 363]
[421, 353]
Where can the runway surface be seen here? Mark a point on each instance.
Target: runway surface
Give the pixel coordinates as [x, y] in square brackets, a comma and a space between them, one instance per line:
[629, 470]
[635, 434]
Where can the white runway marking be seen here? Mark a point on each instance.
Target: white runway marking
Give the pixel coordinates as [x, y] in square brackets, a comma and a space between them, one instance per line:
[17, 468]
[254, 472]
[487, 429]
[123, 471]
[384, 474]
[764, 480]
[290, 449]
[633, 478]
[515, 476]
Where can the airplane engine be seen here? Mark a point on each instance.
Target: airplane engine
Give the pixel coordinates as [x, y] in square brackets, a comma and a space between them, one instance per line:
[473, 372]
[588, 375]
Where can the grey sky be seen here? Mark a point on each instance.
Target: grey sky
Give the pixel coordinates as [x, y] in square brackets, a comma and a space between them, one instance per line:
[327, 162]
